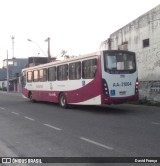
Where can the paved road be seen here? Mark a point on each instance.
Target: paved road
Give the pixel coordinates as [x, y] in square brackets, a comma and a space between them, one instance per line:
[46, 130]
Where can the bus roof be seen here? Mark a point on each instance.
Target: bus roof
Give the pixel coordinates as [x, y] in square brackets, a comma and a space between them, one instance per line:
[72, 59]
[63, 61]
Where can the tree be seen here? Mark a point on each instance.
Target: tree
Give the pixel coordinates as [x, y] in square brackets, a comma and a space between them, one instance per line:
[63, 54]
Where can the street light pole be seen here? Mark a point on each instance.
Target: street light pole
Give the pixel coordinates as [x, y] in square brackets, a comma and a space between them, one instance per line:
[12, 37]
[37, 45]
[49, 53]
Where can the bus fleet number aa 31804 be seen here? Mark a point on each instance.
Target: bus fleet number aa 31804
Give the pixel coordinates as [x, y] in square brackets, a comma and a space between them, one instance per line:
[122, 84]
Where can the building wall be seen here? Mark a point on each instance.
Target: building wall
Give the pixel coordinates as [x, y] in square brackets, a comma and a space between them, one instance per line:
[1, 85]
[14, 69]
[143, 37]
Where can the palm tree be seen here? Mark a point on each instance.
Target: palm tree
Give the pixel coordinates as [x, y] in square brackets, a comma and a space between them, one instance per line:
[63, 54]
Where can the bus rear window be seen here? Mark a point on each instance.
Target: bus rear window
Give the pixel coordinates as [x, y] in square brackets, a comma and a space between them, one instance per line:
[119, 62]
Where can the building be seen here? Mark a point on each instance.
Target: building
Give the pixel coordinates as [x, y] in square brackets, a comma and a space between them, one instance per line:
[143, 37]
[15, 65]
[34, 61]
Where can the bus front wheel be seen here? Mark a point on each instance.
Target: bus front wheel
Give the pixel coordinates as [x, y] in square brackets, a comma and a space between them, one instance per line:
[62, 100]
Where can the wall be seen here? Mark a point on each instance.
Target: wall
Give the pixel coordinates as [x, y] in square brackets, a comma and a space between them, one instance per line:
[131, 37]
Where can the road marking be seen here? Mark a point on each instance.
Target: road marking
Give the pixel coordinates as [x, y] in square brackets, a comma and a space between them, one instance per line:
[96, 143]
[155, 123]
[15, 113]
[29, 118]
[2, 108]
[53, 127]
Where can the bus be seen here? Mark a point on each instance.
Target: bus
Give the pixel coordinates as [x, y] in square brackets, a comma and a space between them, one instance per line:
[101, 78]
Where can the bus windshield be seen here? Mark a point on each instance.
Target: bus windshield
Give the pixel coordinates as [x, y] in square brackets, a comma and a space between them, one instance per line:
[119, 62]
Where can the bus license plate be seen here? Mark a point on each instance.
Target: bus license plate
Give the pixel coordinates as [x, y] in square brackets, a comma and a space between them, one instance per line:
[122, 92]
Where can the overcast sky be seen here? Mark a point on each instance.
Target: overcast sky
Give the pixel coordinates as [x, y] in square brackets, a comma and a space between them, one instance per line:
[78, 26]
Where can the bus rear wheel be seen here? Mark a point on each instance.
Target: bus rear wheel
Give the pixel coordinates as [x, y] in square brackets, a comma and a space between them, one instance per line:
[31, 97]
[63, 100]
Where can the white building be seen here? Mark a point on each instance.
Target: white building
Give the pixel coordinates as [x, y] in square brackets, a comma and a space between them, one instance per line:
[143, 37]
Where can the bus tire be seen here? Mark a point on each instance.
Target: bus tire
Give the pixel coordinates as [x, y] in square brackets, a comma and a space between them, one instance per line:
[63, 100]
[31, 97]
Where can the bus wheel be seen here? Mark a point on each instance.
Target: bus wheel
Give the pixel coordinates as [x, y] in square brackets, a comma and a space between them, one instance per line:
[31, 97]
[62, 100]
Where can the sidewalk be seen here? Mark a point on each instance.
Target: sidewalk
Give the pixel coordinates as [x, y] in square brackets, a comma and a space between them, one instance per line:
[6, 152]
[11, 93]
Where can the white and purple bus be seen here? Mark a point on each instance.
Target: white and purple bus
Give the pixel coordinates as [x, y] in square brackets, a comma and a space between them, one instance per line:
[105, 77]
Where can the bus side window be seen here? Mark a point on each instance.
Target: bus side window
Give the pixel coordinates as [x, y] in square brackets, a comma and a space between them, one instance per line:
[62, 72]
[78, 71]
[43, 75]
[29, 76]
[52, 74]
[75, 71]
[89, 68]
[93, 70]
[36, 75]
[23, 79]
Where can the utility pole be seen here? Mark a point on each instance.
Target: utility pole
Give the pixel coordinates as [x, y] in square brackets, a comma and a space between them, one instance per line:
[12, 37]
[49, 54]
[7, 74]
